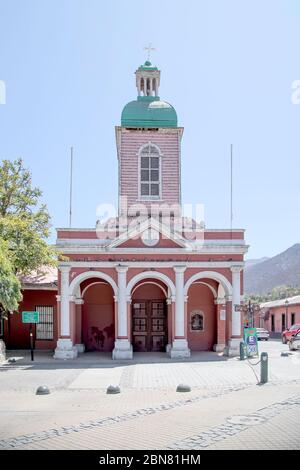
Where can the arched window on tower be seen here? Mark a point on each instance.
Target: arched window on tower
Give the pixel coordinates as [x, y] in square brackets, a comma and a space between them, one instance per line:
[150, 172]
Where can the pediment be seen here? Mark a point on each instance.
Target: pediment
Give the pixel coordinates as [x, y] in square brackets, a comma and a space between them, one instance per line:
[149, 234]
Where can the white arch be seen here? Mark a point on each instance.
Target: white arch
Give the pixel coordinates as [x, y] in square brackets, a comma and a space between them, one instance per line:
[90, 274]
[90, 285]
[152, 275]
[150, 282]
[210, 275]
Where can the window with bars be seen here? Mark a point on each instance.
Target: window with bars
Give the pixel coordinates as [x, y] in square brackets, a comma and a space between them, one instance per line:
[44, 329]
[150, 172]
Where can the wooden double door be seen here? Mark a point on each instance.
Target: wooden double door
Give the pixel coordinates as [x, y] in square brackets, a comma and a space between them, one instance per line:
[149, 325]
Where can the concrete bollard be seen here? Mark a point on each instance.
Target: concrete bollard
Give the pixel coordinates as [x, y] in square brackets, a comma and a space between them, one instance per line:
[183, 388]
[42, 390]
[113, 389]
[264, 368]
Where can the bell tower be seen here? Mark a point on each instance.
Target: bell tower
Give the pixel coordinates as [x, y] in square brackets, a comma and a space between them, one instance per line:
[149, 150]
[147, 80]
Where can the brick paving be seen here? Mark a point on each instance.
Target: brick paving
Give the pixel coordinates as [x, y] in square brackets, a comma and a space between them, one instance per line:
[225, 409]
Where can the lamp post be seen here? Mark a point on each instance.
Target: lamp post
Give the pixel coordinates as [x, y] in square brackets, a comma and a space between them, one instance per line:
[249, 310]
[286, 313]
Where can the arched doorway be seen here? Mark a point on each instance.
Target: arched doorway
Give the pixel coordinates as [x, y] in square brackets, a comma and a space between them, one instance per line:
[201, 317]
[98, 324]
[149, 316]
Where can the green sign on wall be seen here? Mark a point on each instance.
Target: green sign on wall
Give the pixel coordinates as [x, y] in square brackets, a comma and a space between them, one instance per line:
[30, 317]
[250, 338]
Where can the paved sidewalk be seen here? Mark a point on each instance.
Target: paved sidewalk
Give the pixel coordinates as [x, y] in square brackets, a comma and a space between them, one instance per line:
[149, 413]
[236, 419]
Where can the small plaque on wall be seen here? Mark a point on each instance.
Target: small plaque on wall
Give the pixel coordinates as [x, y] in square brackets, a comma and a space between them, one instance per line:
[222, 314]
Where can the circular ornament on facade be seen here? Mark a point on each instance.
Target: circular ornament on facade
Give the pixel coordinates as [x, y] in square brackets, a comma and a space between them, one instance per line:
[150, 237]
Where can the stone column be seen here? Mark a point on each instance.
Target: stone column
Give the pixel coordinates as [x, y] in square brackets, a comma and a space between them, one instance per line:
[2, 351]
[79, 344]
[169, 323]
[65, 348]
[180, 345]
[236, 330]
[155, 87]
[123, 347]
[221, 325]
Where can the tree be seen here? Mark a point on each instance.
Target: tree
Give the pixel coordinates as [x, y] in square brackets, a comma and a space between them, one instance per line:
[10, 287]
[24, 221]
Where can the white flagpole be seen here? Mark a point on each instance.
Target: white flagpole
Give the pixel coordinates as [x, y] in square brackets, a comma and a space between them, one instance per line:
[231, 188]
[71, 188]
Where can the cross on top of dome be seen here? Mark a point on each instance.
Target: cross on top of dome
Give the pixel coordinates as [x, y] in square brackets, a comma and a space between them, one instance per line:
[149, 48]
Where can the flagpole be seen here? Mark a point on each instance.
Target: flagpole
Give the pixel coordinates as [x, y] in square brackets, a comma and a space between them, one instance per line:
[231, 188]
[71, 188]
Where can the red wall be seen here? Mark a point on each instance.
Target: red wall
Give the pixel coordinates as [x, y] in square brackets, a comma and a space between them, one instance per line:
[17, 333]
[98, 326]
[278, 312]
[201, 298]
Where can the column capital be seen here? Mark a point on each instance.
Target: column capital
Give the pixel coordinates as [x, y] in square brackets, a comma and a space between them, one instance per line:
[228, 298]
[236, 269]
[220, 301]
[185, 298]
[64, 269]
[128, 298]
[179, 269]
[79, 301]
[58, 298]
[121, 269]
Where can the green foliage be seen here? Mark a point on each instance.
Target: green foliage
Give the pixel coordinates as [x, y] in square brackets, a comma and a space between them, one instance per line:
[24, 229]
[24, 223]
[278, 293]
[10, 287]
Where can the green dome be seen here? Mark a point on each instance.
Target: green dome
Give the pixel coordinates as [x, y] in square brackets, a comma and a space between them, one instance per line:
[148, 111]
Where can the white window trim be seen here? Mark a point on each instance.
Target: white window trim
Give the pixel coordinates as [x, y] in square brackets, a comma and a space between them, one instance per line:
[199, 312]
[150, 198]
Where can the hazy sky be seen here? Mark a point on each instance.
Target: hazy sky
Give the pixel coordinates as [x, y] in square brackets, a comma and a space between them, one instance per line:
[227, 67]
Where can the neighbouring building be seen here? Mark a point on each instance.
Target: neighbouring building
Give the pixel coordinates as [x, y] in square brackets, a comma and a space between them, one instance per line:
[278, 315]
[148, 279]
[39, 292]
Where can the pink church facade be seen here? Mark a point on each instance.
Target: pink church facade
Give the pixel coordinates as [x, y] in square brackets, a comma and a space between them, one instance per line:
[149, 279]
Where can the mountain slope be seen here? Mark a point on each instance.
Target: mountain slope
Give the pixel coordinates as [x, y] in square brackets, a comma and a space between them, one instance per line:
[282, 269]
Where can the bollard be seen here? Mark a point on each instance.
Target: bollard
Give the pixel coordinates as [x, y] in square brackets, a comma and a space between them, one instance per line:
[42, 390]
[264, 368]
[183, 388]
[243, 351]
[113, 389]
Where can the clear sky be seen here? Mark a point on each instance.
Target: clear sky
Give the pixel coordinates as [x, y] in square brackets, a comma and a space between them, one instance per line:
[227, 67]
